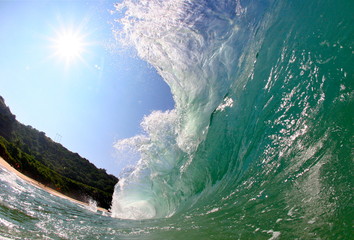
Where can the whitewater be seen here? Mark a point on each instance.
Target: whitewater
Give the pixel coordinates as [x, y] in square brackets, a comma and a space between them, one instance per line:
[258, 146]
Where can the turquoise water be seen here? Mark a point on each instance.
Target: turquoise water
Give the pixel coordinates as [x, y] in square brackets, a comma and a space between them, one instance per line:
[259, 145]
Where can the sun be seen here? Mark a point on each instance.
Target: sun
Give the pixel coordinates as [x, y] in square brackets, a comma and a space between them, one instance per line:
[69, 45]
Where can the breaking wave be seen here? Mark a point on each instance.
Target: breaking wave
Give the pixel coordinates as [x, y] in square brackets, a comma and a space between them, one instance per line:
[262, 95]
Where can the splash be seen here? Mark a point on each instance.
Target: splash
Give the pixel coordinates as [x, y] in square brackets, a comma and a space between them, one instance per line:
[192, 58]
[259, 105]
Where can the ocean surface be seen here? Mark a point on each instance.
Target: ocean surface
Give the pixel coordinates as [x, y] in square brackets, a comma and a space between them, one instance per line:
[259, 145]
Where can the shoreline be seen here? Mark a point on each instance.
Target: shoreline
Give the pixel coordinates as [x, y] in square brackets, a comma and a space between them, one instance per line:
[35, 183]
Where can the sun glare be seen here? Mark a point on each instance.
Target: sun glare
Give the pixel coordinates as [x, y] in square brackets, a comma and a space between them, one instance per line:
[69, 45]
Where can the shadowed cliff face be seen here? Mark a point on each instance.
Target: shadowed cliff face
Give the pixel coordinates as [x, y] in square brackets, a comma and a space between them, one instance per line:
[6, 119]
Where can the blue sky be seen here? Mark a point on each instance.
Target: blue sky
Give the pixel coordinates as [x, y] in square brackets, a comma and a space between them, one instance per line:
[92, 100]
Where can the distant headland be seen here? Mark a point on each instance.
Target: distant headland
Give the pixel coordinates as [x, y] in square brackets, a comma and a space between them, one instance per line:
[37, 156]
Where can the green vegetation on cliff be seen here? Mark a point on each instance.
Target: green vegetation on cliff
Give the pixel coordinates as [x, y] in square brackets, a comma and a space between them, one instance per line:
[37, 156]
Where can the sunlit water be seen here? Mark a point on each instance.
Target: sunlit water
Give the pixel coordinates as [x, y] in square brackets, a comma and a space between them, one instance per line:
[259, 145]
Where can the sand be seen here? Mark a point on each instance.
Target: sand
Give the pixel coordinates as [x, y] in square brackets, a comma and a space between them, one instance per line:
[35, 183]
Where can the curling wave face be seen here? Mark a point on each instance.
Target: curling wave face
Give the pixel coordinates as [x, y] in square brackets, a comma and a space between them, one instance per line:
[261, 92]
[199, 61]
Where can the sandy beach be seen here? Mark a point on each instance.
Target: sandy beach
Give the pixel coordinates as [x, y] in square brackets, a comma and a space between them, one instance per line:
[35, 183]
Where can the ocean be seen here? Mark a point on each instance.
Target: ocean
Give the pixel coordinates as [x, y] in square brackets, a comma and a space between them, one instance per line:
[259, 145]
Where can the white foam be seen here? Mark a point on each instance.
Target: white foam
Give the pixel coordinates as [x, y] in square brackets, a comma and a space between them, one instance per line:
[275, 234]
[7, 224]
[213, 210]
[228, 102]
[134, 210]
